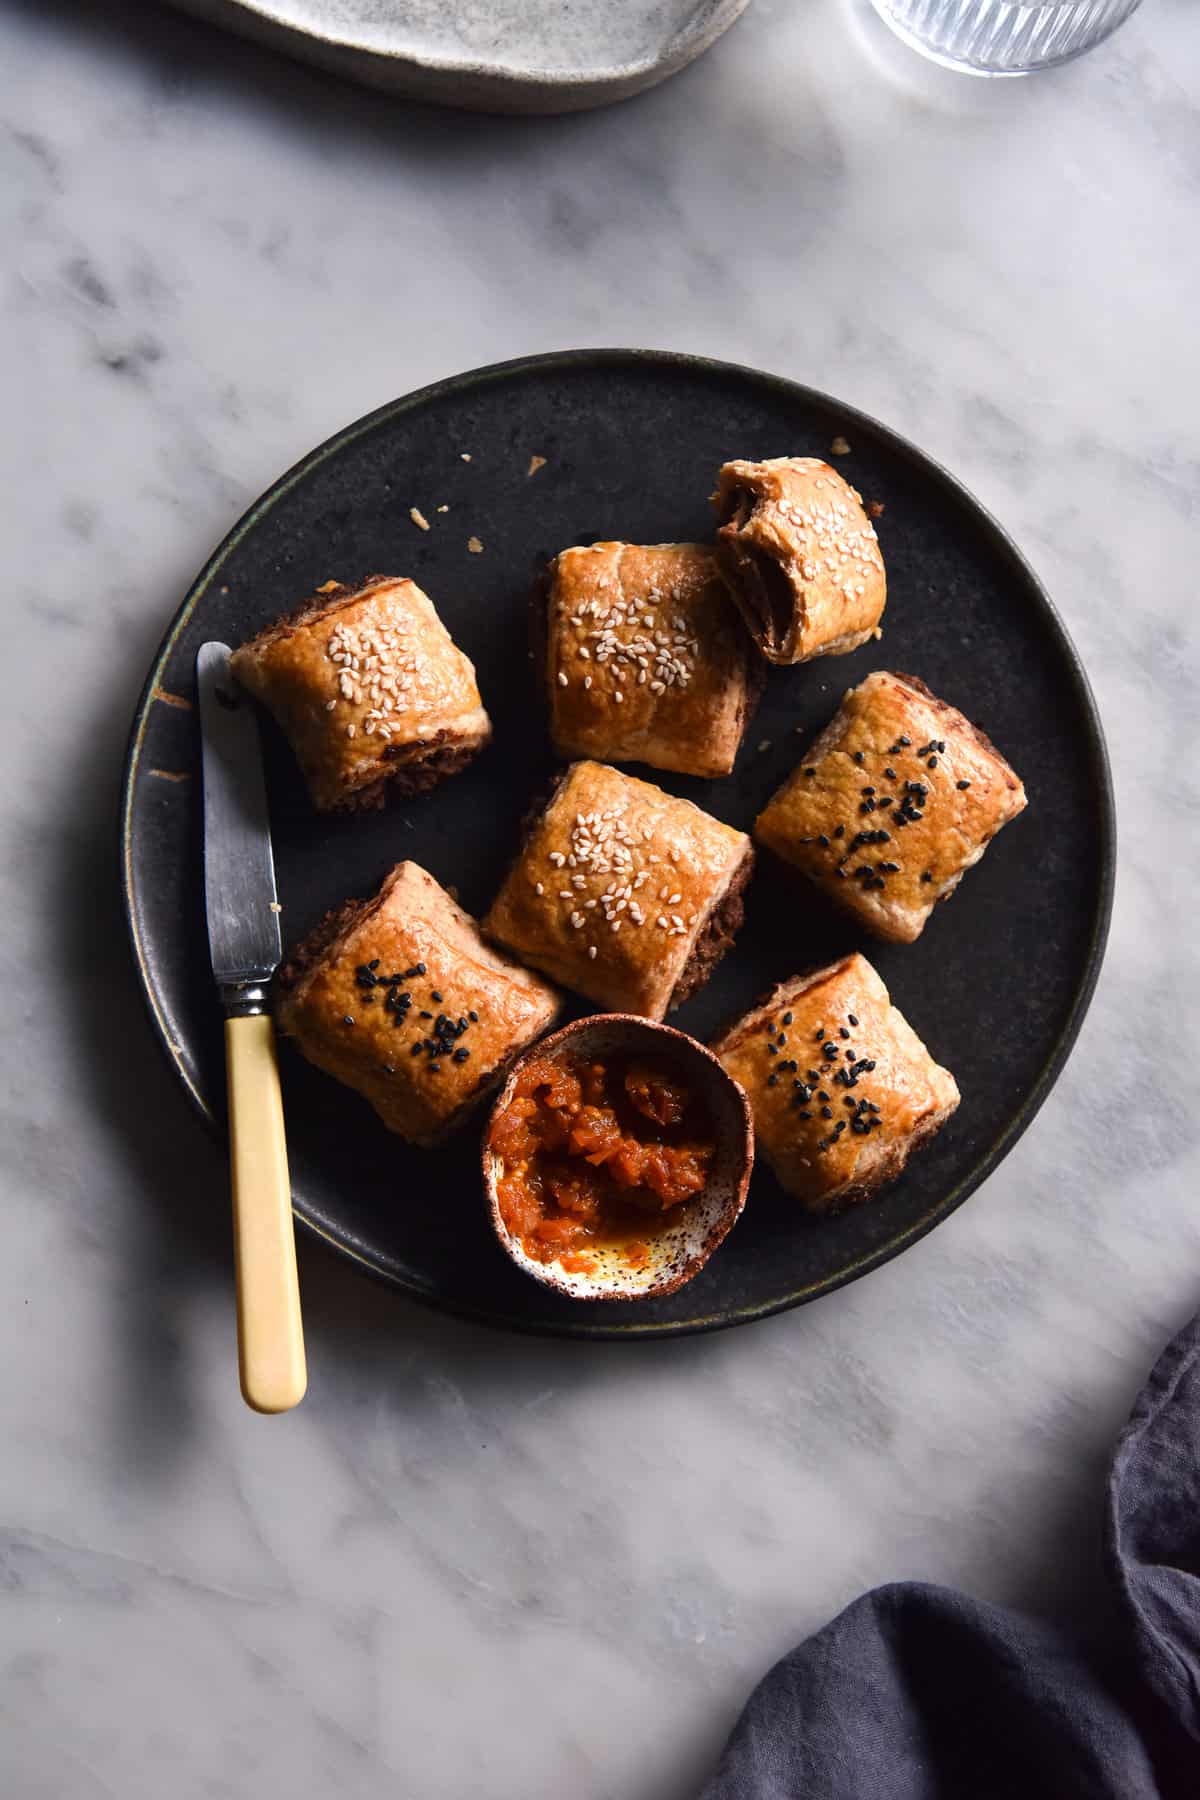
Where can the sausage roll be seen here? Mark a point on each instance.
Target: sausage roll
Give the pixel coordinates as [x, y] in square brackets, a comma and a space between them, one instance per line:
[644, 657]
[800, 556]
[400, 997]
[370, 688]
[894, 801]
[841, 1087]
[622, 892]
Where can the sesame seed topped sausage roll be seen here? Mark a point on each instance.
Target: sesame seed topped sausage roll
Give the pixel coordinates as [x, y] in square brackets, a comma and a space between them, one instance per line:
[645, 658]
[400, 998]
[895, 800]
[623, 893]
[800, 556]
[370, 690]
[841, 1087]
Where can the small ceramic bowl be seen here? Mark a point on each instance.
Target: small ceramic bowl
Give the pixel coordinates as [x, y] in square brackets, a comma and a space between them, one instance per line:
[680, 1246]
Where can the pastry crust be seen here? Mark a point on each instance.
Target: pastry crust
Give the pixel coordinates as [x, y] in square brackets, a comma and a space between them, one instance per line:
[841, 1087]
[426, 1061]
[645, 659]
[892, 804]
[370, 689]
[800, 556]
[622, 892]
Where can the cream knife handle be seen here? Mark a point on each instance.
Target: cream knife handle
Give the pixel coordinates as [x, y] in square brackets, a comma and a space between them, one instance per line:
[270, 1333]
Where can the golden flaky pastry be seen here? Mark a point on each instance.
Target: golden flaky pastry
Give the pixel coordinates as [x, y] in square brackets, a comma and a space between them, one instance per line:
[400, 998]
[370, 690]
[800, 556]
[890, 806]
[645, 658]
[623, 892]
[841, 1087]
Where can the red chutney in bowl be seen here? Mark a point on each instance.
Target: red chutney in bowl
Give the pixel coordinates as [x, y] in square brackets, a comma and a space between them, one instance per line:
[596, 1150]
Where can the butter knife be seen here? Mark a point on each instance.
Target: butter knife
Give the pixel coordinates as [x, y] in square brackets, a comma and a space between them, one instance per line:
[245, 946]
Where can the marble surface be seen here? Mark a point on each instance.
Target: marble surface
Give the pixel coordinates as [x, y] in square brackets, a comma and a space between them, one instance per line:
[472, 1565]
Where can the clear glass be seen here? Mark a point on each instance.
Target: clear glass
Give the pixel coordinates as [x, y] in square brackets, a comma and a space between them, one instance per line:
[1004, 37]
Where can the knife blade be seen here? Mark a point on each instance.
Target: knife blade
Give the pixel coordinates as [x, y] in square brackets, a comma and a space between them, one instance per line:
[239, 867]
[245, 945]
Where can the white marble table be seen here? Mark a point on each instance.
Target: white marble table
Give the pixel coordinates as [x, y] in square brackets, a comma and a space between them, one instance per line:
[471, 1565]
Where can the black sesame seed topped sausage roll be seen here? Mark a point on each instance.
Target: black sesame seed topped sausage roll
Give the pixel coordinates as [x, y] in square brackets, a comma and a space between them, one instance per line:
[841, 1087]
[622, 892]
[644, 657]
[400, 998]
[370, 689]
[895, 800]
[800, 556]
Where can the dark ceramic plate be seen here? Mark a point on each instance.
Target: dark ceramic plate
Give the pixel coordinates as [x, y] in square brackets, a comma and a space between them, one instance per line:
[998, 984]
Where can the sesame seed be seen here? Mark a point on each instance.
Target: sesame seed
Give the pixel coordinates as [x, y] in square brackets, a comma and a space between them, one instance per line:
[962, 786]
[851, 1018]
[418, 518]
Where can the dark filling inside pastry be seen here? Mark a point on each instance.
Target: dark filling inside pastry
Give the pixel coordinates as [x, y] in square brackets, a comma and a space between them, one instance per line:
[762, 586]
[720, 929]
[309, 951]
[422, 767]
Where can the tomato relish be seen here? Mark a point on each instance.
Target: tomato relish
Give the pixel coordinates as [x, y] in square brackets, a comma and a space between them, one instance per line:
[595, 1152]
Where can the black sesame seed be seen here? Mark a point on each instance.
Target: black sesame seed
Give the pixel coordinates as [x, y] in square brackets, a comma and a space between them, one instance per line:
[802, 1112]
[827, 1112]
[823, 841]
[932, 763]
[890, 773]
[416, 1050]
[840, 831]
[425, 1015]
[771, 1080]
[374, 963]
[859, 758]
[829, 1049]
[346, 1019]
[867, 791]
[822, 1095]
[962, 786]
[436, 998]
[787, 1018]
[904, 742]
[474, 1017]
[851, 1019]
[940, 747]
[771, 1050]
[842, 1032]
[461, 1055]
[927, 875]
[810, 771]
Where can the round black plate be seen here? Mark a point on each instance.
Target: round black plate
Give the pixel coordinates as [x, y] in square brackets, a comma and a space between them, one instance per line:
[999, 982]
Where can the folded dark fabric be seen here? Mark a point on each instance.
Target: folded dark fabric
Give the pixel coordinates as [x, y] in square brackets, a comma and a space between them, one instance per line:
[919, 1693]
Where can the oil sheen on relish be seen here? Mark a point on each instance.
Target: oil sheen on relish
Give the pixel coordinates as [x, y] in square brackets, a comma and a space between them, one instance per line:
[596, 1151]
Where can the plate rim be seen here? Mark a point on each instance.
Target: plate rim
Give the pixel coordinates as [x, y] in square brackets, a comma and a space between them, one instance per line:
[985, 1165]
